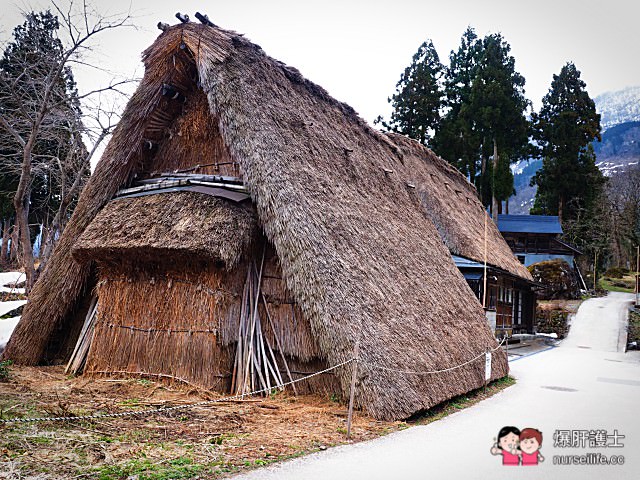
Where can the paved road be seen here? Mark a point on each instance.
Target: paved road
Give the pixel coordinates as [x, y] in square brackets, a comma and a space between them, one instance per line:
[586, 383]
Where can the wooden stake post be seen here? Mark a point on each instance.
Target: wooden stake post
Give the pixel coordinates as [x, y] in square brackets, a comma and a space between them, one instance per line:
[638, 276]
[506, 342]
[354, 373]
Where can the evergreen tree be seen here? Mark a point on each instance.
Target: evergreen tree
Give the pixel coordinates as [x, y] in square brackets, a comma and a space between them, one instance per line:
[569, 181]
[497, 106]
[456, 139]
[418, 98]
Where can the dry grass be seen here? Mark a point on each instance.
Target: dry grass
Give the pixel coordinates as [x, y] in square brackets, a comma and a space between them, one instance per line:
[180, 323]
[570, 306]
[164, 321]
[204, 443]
[221, 439]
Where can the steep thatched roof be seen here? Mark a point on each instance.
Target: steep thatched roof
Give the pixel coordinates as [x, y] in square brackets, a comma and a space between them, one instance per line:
[170, 225]
[452, 204]
[357, 246]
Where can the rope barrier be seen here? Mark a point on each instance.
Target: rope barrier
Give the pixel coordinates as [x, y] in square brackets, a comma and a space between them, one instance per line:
[238, 396]
[154, 411]
[431, 372]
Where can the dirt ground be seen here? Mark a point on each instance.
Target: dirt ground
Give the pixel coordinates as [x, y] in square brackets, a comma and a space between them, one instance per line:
[570, 306]
[205, 442]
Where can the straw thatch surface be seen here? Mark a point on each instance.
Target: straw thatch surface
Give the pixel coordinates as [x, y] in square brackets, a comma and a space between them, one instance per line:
[357, 247]
[171, 226]
[196, 126]
[452, 204]
[179, 321]
[165, 320]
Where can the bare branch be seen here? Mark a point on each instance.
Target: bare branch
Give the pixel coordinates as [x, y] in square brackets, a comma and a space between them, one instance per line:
[12, 131]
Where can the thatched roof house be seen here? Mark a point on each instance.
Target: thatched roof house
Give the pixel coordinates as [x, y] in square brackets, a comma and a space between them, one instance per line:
[350, 231]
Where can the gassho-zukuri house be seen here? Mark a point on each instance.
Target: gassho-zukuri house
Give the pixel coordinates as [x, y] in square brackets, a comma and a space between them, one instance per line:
[242, 226]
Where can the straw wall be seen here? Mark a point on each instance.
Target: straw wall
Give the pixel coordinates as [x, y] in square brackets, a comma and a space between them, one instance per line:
[294, 332]
[165, 320]
[180, 322]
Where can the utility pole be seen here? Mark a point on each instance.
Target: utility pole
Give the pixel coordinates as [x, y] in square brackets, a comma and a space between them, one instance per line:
[638, 276]
[595, 271]
[484, 280]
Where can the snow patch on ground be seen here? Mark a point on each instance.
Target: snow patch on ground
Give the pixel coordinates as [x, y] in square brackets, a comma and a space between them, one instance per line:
[549, 335]
[6, 307]
[9, 279]
[7, 325]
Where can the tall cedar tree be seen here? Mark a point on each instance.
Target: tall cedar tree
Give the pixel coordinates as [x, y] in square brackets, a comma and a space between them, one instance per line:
[569, 182]
[456, 140]
[418, 98]
[497, 106]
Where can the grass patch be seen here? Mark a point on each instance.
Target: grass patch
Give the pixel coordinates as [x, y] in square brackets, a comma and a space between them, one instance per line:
[633, 330]
[625, 284]
[462, 401]
[5, 372]
[203, 443]
[144, 469]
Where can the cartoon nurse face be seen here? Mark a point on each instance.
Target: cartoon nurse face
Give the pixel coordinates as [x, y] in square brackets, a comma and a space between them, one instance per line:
[509, 442]
[529, 445]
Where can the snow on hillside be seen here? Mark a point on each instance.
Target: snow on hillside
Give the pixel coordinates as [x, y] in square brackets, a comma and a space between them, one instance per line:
[619, 107]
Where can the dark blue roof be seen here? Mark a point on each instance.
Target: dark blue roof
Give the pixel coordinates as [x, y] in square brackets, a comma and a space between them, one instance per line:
[529, 224]
[462, 262]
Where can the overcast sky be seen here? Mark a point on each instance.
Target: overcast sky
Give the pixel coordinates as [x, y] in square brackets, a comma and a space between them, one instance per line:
[357, 49]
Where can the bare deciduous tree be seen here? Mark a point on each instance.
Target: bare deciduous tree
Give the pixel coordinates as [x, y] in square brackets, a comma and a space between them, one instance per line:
[39, 106]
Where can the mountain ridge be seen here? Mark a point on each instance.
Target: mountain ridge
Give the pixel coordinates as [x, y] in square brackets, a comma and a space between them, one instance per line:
[619, 148]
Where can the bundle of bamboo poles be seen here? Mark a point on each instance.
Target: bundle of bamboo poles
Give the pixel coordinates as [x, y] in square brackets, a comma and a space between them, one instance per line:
[81, 351]
[255, 366]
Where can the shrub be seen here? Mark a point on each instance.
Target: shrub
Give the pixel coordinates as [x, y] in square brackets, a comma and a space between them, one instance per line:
[615, 272]
[552, 321]
[5, 373]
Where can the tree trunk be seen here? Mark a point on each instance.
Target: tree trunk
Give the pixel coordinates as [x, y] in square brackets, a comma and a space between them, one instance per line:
[13, 248]
[480, 183]
[4, 259]
[494, 201]
[506, 206]
[44, 239]
[21, 202]
[560, 209]
[46, 247]
[59, 222]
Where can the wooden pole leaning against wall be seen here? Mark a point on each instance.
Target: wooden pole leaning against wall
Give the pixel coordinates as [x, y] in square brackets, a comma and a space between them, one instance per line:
[352, 391]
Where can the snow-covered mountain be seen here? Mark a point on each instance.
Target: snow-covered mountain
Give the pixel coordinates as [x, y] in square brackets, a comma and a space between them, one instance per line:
[619, 107]
[620, 146]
